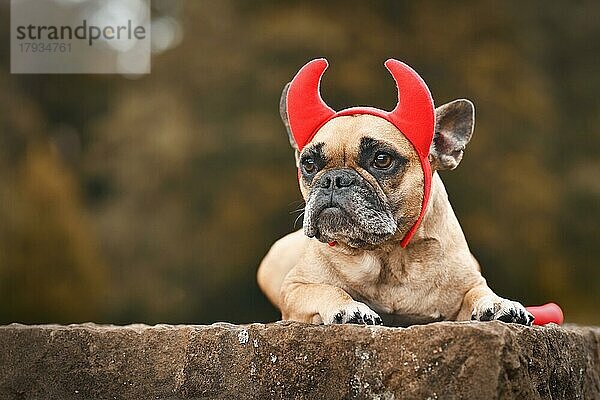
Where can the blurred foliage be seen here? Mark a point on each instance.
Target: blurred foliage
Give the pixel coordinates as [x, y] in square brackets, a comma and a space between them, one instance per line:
[154, 199]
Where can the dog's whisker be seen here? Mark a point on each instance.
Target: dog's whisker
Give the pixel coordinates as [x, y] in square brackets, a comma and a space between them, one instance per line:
[296, 202]
[298, 210]
[297, 218]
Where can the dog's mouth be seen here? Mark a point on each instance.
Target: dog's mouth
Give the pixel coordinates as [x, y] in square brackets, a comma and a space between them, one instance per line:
[349, 221]
[330, 220]
[332, 213]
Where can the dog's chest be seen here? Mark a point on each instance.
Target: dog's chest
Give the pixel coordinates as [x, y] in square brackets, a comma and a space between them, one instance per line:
[400, 285]
[360, 270]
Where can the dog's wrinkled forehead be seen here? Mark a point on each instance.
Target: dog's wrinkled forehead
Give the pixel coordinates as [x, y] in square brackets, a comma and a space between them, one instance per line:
[342, 138]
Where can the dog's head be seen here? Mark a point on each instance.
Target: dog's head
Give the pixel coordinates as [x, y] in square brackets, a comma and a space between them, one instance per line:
[363, 180]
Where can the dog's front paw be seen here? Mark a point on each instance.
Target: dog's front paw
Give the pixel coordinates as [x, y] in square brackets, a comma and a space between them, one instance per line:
[354, 313]
[496, 308]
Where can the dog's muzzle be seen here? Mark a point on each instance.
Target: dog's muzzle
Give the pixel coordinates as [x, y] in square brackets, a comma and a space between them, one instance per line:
[343, 206]
[333, 193]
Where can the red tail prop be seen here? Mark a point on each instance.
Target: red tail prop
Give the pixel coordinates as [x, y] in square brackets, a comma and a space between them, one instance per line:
[546, 314]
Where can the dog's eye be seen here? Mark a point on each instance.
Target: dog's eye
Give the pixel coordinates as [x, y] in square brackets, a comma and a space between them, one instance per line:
[309, 165]
[382, 160]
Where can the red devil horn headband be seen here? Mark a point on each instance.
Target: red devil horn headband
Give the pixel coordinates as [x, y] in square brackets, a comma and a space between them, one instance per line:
[414, 114]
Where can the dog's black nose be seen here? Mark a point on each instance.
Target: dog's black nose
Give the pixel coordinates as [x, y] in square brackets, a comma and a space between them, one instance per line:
[338, 179]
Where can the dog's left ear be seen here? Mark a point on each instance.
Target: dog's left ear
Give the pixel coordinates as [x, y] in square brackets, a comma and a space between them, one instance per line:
[286, 121]
[454, 124]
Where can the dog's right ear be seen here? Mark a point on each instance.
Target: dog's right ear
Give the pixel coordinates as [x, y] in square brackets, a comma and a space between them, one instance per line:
[286, 122]
[454, 124]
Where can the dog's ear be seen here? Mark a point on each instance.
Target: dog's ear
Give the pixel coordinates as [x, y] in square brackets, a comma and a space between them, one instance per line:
[454, 124]
[286, 122]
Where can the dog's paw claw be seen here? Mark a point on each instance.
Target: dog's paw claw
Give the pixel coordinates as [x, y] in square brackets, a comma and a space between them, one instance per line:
[339, 317]
[355, 313]
[488, 309]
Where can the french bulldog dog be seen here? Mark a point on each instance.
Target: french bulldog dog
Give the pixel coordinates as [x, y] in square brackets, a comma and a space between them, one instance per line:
[380, 242]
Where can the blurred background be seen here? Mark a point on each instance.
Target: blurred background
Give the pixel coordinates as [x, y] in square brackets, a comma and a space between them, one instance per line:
[153, 198]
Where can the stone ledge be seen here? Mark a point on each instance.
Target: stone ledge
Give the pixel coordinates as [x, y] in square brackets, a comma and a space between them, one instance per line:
[294, 361]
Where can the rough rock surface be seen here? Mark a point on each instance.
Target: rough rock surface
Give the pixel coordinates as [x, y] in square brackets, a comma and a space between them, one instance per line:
[294, 361]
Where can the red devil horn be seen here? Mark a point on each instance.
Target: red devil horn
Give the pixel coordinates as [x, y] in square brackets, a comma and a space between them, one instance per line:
[305, 108]
[414, 115]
